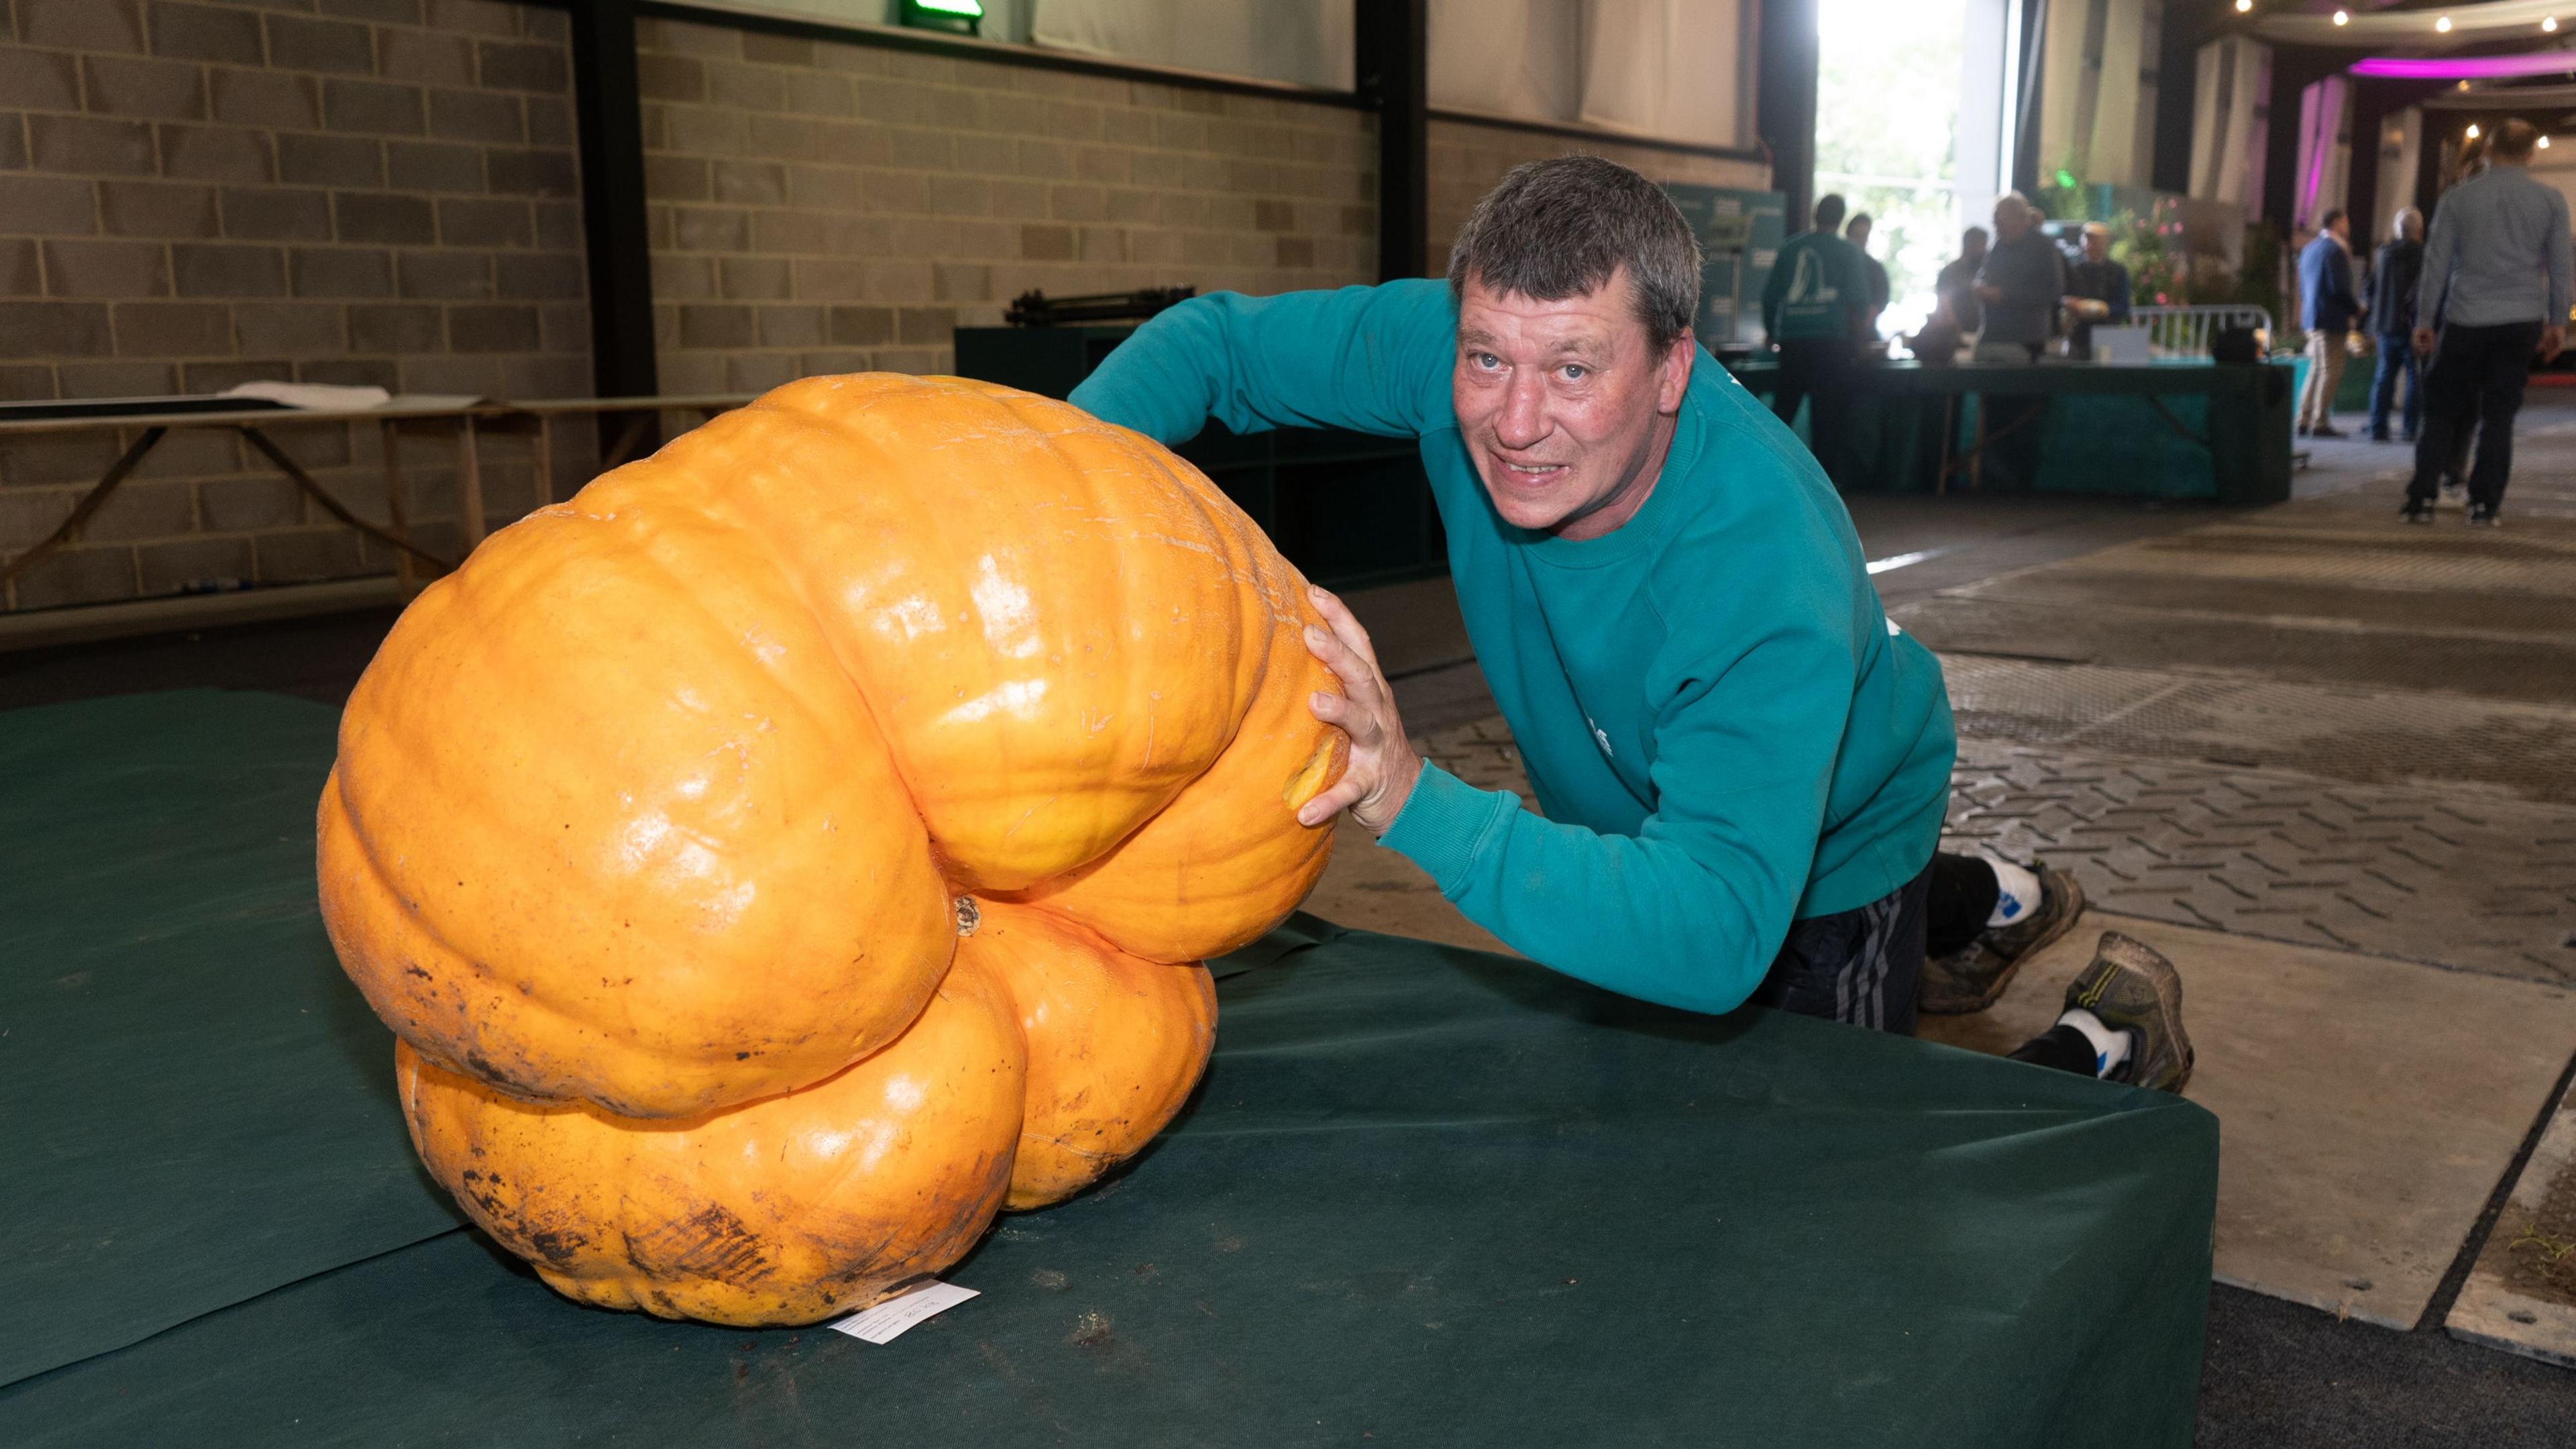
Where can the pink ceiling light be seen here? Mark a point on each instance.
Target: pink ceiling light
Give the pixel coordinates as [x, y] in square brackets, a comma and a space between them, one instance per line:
[2467, 67]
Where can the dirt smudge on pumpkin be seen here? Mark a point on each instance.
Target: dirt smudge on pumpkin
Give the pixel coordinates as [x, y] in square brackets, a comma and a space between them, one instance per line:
[505, 1215]
[708, 1243]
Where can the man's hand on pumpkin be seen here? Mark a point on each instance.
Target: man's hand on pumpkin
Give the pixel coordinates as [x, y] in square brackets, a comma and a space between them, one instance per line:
[1383, 765]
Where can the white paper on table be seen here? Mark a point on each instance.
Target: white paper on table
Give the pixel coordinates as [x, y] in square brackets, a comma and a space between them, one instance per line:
[887, 1321]
[317, 395]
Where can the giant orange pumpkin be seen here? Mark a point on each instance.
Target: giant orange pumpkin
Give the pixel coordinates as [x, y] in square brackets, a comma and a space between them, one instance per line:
[803, 841]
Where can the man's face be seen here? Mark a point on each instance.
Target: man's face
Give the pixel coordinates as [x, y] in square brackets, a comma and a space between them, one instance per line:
[2012, 223]
[2097, 247]
[2341, 226]
[1858, 236]
[1973, 246]
[1565, 406]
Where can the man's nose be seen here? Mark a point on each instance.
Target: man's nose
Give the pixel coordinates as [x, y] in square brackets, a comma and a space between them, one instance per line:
[1523, 420]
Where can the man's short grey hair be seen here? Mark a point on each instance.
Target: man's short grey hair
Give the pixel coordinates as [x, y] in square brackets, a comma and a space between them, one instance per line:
[1561, 228]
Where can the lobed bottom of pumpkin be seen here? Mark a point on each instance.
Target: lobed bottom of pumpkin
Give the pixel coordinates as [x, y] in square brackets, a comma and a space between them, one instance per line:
[1045, 1058]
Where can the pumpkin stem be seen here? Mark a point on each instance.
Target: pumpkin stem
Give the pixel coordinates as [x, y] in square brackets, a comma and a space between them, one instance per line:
[969, 915]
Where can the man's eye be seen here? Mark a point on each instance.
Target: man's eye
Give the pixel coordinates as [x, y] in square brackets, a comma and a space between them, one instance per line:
[1488, 361]
[1574, 372]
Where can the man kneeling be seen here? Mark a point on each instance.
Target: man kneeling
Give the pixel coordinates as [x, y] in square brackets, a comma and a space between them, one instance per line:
[1744, 766]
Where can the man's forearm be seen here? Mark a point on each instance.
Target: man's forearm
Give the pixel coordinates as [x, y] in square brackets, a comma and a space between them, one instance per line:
[1638, 916]
[1363, 358]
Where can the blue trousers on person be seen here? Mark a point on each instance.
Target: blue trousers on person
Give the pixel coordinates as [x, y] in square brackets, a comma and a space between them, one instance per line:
[2396, 354]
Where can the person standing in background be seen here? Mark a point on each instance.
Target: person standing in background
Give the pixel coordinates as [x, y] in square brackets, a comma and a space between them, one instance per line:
[2019, 284]
[2390, 299]
[2455, 469]
[1956, 285]
[1814, 309]
[2327, 309]
[2497, 273]
[2018, 288]
[1857, 233]
[2097, 290]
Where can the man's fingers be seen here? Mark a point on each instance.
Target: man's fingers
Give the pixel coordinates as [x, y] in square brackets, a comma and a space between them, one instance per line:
[1346, 792]
[1359, 678]
[1336, 710]
[1345, 624]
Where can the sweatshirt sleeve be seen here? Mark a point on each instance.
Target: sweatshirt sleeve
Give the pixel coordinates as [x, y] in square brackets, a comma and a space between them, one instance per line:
[1368, 359]
[1691, 910]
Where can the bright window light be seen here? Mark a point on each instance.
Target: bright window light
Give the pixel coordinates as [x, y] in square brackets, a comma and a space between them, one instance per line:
[2244, 5]
[2473, 130]
[2343, 17]
[2443, 25]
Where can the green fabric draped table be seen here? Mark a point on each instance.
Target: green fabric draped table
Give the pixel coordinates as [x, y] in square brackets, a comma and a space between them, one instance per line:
[2157, 430]
[1425, 1196]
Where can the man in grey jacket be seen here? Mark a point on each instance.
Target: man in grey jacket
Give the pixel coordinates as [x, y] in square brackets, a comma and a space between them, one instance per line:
[2497, 273]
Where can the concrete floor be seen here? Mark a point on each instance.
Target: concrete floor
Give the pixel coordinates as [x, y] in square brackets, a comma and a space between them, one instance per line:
[2381, 1093]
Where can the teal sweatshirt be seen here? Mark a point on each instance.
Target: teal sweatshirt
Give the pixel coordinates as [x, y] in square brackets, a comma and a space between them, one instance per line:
[1723, 730]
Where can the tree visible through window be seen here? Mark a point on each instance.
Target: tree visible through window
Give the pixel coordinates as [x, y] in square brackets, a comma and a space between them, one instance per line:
[1887, 126]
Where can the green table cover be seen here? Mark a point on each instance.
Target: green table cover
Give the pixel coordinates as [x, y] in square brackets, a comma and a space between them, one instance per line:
[195, 1105]
[1425, 1196]
[2161, 430]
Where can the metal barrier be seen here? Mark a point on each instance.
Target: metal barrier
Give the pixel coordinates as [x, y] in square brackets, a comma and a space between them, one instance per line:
[2188, 331]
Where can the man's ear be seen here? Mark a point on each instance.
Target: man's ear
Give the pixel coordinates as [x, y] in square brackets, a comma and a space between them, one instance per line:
[1672, 374]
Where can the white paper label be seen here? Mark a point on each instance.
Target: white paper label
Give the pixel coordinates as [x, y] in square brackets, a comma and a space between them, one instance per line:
[889, 1320]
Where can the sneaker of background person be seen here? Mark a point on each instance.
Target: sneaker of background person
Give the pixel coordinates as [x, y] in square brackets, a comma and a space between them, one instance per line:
[2482, 515]
[2414, 512]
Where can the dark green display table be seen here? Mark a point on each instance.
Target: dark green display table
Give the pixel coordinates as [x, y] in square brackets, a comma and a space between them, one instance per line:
[2164, 430]
[1426, 1196]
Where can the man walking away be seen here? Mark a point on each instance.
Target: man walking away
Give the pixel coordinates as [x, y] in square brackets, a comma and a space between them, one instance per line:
[1813, 309]
[1856, 231]
[2390, 297]
[2497, 274]
[2327, 308]
[2097, 291]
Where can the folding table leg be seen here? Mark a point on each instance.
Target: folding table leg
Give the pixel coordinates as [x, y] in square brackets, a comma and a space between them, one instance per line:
[405, 574]
[334, 506]
[81, 511]
[469, 484]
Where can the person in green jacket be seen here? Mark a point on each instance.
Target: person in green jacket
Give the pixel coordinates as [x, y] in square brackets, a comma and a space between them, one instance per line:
[1815, 310]
[1743, 767]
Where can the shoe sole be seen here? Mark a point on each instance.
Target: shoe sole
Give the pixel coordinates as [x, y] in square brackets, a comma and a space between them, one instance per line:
[2171, 1006]
[1964, 1006]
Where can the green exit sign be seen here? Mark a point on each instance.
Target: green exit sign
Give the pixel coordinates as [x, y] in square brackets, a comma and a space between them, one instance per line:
[964, 17]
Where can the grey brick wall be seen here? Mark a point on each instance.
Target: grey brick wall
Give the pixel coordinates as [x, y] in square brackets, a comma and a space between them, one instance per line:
[1467, 159]
[348, 191]
[826, 207]
[198, 192]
